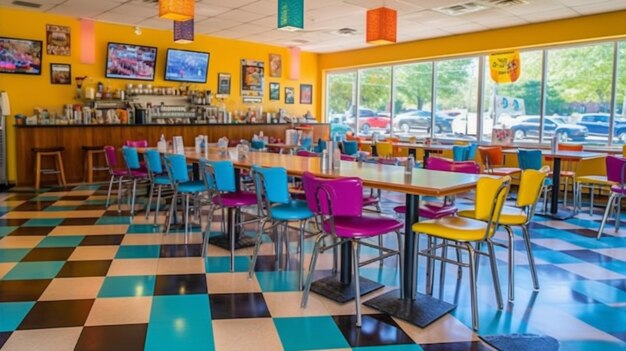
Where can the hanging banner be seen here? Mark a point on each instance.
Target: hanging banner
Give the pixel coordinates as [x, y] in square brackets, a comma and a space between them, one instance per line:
[505, 67]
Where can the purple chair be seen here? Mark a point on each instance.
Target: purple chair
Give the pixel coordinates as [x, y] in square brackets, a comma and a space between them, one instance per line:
[117, 175]
[136, 172]
[615, 172]
[136, 143]
[338, 204]
[306, 153]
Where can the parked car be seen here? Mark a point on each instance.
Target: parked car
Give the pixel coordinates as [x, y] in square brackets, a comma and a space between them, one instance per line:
[528, 126]
[420, 119]
[369, 119]
[598, 124]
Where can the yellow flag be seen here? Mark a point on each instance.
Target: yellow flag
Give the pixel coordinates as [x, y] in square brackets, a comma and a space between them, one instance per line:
[505, 67]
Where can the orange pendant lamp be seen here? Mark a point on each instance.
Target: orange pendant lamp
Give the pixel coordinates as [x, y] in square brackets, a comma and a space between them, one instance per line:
[177, 10]
[381, 26]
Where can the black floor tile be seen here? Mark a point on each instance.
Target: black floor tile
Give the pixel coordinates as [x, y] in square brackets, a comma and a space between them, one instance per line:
[241, 305]
[129, 337]
[48, 254]
[79, 221]
[180, 284]
[12, 222]
[190, 250]
[124, 213]
[588, 256]
[21, 197]
[99, 240]
[22, 290]
[32, 231]
[375, 330]
[4, 336]
[267, 263]
[457, 346]
[34, 206]
[57, 314]
[619, 335]
[75, 198]
[84, 269]
[616, 283]
[585, 232]
[91, 207]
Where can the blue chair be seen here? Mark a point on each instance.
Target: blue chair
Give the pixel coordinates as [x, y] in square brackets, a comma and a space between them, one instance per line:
[459, 152]
[350, 147]
[257, 145]
[158, 180]
[306, 143]
[278, 208]
[533, 159]
[321, 146]
[135, 171]
[471, 153]
[176, 166]
[219, 178]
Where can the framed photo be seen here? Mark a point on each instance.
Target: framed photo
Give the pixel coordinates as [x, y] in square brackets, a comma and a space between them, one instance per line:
[60, 73]
[252, 81]
[58, 40]
[306, 94]
[223, 84]
[20, 56]
[289, 95]
[274, 91]
[275, 66]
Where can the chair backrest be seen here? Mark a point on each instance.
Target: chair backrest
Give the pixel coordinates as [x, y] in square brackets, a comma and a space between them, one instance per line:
[321, 145]
[570, 147]
[176, 166]
[460, 152]
[470, 167]
[131, 157]
[110, 156]
[350, 147]
[615, 168]
[337, 197]
[531, 183]
[624, 150]
[384, 149]
[136, 143]
[271, 183]
[219, 175]
[471, 153]
[306, 143]
[491, 156]
[257, 145]
[491, 195]
[306, 153]
[446, 164]
[153, 161]
[529, 159]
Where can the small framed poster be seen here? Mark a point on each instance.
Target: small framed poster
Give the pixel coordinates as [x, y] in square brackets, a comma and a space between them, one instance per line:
[58, 40]
[306, 94]
[275, 66]
[60, 73]
[274, 91]
[223, 84]
[289, 95]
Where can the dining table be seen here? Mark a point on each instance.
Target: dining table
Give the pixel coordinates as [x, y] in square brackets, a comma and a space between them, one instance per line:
[413, 147]
[558, 156]
[405, 303]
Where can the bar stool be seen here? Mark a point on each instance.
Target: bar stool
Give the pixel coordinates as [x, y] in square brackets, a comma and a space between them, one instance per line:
[56, 154]
[89, 153]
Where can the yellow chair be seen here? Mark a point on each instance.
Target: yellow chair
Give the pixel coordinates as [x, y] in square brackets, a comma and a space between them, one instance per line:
[531, 184]
[461, 232]
[624, 151]
[591, 175]
[384, 149]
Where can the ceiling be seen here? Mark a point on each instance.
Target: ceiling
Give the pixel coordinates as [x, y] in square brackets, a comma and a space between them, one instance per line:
[255, 20]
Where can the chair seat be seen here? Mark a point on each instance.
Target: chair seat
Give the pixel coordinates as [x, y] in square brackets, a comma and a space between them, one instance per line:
[295, 210]
[509, 216]
[430, 210]
[161, 180]
[504, 171]
[618, 189]
[350, 226]
[370, 200]
[595, 179]
[93, 148]
[139, 173]
[237, 199]
[194, 186]
[453, 228]
[48, 149]
[119, 172]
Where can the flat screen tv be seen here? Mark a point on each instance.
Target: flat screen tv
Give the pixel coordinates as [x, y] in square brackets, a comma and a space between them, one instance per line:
[22, 56]
[128, 61]
[186, 66]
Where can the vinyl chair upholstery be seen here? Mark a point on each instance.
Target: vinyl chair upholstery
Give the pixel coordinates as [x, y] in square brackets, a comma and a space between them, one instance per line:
[615, 172]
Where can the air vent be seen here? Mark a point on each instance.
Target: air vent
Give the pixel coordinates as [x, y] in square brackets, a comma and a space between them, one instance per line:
[345, 32]
[31, 5]
[505, 3]
[461, 9]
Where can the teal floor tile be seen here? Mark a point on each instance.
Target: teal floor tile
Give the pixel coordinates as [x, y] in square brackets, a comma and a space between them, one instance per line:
[128, 286]
[278, 281]
[190, 308]
[88, 187]
[179, 335]
[143, 228]
[47, 198]
[138, 251]
[592, 345]
[310, 333]
[12, 255]
[603, 317]
[34, 270]
[60, 208]
[221, 264]
[4, 231]
[95, 202]
[12, 314]
[389, 276]
[43, 222]
[599, 291]
[555, 257]
[114, 220]
[61, 241]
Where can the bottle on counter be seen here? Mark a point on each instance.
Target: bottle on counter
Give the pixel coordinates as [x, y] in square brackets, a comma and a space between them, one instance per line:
[162, 144]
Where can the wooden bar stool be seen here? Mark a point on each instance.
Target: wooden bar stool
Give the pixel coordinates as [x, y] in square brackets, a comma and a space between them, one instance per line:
[90, 154]
[56, 154]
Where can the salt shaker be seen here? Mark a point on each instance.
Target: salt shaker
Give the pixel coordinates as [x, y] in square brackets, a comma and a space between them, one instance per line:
[410, 164]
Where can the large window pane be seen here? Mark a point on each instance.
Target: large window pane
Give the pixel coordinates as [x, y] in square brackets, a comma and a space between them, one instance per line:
[413, 99]
[620, 96]
[517, 105]
[456, 98]
[578, 93]
[374, 113]
[341, 97]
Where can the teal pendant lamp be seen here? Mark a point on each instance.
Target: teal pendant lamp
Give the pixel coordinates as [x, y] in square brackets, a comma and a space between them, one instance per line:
[290, 15]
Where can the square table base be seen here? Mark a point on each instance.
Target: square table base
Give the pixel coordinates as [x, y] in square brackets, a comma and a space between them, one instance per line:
[421, 312]
[332, 288]
[223, 241]
[561, 214]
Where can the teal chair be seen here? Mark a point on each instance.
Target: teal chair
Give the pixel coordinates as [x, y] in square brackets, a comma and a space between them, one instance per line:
[158, 180]
[533, 159]
[350, 147]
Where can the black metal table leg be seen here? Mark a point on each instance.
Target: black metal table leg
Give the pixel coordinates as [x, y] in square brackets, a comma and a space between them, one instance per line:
[554, 200]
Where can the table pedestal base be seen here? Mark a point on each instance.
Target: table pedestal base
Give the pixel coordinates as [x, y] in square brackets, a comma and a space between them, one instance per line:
[561, 214]
[335, 290]
[420, 312]
[223, 241]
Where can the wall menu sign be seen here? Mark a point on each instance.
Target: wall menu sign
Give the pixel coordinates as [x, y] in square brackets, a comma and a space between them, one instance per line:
[505, 67]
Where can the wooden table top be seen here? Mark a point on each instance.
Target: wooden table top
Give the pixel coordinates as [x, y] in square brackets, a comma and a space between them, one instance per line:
[431, 147]
[562, 154]
[283, 146]
[387, 177]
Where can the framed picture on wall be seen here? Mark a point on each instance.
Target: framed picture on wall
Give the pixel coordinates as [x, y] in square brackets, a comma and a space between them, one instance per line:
[274, 91]
[306, 94]
[275, 66]
[289, 95]
[223, 84]
[60, 73]
[58, 40]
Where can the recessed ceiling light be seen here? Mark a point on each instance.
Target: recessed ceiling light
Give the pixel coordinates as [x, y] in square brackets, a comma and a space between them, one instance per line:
[344, 32]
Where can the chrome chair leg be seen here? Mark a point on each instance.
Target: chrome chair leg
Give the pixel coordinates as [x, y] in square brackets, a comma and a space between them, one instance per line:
[430, 267]
[132, 199]
[309, 278]
[494, 274]
[106, 205]
[400, 259]
[257, 246]
[301, 245]
[357, 285]
[186, 218]
[232, 240]
[442, 268]
[150, 193]
[618, 213]
[511, 266]
[158, 204]
[531, 257]
[473, 289]
[607, 210]
[591, 198]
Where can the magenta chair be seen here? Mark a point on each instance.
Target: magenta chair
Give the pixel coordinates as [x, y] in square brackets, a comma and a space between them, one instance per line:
[615, 171]
[136, 143]
[117, 175]
[338, 205]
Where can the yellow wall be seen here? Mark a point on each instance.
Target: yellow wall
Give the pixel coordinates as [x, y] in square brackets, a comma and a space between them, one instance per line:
[27, 92]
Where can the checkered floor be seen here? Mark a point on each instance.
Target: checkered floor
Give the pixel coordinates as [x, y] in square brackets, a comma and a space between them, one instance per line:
[75, 275]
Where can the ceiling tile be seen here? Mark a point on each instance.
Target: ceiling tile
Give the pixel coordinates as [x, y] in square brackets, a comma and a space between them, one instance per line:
[263, 7]
[156, 22]
[214, 24]
[550, 15]
[78, 8]
[240, 16]
[119, 18]
[233, 4]
[599, 7]
[535, 7]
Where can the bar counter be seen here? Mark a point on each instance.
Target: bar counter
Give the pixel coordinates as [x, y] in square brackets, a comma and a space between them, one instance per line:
[73, 137]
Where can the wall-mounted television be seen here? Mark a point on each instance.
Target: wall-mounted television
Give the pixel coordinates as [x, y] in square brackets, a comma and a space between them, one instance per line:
[186, 66]
[128, 61]
[22, 56]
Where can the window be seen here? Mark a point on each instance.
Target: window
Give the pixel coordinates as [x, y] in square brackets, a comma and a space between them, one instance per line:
[413, 99]
[620, 94]
[340, 102]
[374, 101]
